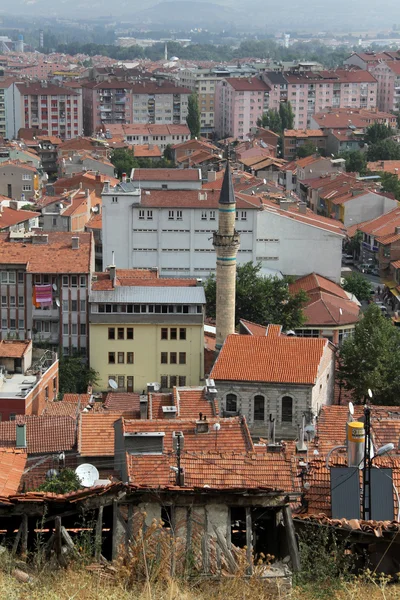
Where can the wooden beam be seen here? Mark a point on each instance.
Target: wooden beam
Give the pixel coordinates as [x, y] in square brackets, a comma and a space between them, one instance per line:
[205, 550]
[129, 524]
[17, 538]
[25, 534]
[291, 538]
[249, 539]
[118, 530]
[98, 534]
[58, 542]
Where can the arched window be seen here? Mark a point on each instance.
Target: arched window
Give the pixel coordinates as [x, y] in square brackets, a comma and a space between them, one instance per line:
[231, 403]
[259, 408]
[287, 409]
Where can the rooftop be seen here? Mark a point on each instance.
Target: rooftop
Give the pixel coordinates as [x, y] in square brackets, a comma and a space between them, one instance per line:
[43, 434]
[143, 175]
[14, 348]
[251, 84]
[12, 465]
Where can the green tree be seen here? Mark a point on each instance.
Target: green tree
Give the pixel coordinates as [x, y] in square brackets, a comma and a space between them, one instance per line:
[287, 116]
[193, 116]
[307, 149]
[377, 132]
[66, 481]
[358, 285]
[391, 183]
[356, 161]
[271, 120]
[353, 245]
[371, 359]
[75, 375]
[123, 160]
[386, 149]
[168, 153]
[261, 299]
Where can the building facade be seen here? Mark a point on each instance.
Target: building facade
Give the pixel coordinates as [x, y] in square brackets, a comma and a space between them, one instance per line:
[144, 329]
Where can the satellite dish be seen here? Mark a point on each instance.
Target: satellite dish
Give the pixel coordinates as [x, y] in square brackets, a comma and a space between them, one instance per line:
[370, 393]
[216, 426]
[51, 473]
[58, 302]
[113, 384]
[351, 408]
[87, 474]
[54, 287]
[264, 181]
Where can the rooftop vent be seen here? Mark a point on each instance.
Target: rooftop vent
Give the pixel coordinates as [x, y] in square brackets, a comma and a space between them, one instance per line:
[202, 424]
[20, 436]
[40, 239]
[169, 412]
[75, 243]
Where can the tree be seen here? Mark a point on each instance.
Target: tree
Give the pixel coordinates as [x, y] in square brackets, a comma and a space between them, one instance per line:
[287, 116]
[62, 483]
[168, 153]
[123, 161]
[377, 132]
[261, 299]
[307, 149]
[193, 116]
[75, 375]
[390, 183]
[271, 120]
[371, 359]
[358, 285]
[353, 245]
[356, 161]
[384, 150]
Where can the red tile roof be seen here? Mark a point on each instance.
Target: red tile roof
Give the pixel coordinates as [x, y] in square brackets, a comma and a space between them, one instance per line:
[57, 256]
[146, 150]
[95, 222]
[123, 402]
[12, 465]
[41, 90]
[43, 434]
[14, 348]
[254, 328]
[314, 282]
[190, 402]
[18, 164]
[326, 310]
[269, 359]
[193, 199]
[243, 84]
[139, 277]
[96, 432]
[383, 225]
[144, 175]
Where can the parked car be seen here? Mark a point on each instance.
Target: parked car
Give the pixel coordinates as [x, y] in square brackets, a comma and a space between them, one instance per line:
[382, 307]
[348, 259]
[365, 268]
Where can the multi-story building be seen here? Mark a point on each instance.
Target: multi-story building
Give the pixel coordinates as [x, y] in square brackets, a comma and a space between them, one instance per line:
[104, 103]
[294, 139]
[157, 135]
[239, 103]
[172, 229]
[44, 285]
[10, 109]
[55, 109]
[19, 180]
[387, 75]
[203, 82]
[313, 92]
[159, 103]
[144, 329]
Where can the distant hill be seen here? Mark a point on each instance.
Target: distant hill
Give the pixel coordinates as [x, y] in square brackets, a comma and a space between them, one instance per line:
[188, 14]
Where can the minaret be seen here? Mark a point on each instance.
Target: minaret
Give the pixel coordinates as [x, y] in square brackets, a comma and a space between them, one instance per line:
[165, 51]
[226, 242]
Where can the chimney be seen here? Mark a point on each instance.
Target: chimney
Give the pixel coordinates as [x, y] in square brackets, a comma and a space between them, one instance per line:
[124, 177]
[75, 242]
[40, 239]
[302, 208]
[211, 176]
[201, 424]
[143, 406]
[13, 204]
[106, 188]
[284, 204]
[20, 441]
[397, 230]
[112, 269]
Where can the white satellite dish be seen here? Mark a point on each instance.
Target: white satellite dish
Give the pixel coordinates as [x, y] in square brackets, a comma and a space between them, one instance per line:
[58, 302]
[216, 426]
[351, 408]
[55, 287]
[264, 181]
[113, 384]
[87, 474]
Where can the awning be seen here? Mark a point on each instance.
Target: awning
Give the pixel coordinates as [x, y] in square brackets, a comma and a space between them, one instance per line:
[395, 293]
[390, 284]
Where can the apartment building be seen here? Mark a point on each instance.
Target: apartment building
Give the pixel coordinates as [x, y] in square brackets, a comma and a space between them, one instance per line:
[387, 75]
[19, 180]
[239, 103]
[367, 60]
[104, 103]
[314, 92]
[294, 139]
[172, 229]
[53, 108]
[159, 103]
[203, 82]
[10, 109]
[44, 285]
[144, 329]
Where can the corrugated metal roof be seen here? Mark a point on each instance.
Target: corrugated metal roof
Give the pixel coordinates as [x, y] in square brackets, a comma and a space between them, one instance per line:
[150, 295]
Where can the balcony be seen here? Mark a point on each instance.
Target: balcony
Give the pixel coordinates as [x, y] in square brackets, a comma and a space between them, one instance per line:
[106, 108]
[46, 314]
[120, 100]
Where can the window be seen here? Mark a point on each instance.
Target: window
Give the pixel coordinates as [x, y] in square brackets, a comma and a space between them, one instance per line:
[212, 215]
[172, 381]
[65, 329]
[287, 409]
[204, 215]
[74, 328]
[129, 383]
[259, 408]
[121, 333]
[74, 281]
[74, 305]
[141, 214]
[121, 381]
[164, 358]
[21, 301]
[46, 392]
[111, 358]
[12, 300]
[121, 358]
[111, 333]
[83, 328]
[54, 385]
[171, 215]
[182, 358]
[12, 416]
[182, 333]
[182, 381]
[179, 215]
[149, 215]
[4, 323]
[114, 200]
[13, 323]
[231, 403]
[82, 281]
[172, 358]
[4, 300]
[26, 187]
[243, 215]
[21, 324]
[130, 358]
[164, 333]
[164, 381]
[129, 333]
[20, 277]
[173, 333]
[65, 305]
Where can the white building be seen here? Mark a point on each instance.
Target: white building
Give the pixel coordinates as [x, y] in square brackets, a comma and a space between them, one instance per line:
[172, 230]
[10, 109]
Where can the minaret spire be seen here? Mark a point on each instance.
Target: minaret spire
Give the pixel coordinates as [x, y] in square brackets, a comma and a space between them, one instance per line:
[226, 242]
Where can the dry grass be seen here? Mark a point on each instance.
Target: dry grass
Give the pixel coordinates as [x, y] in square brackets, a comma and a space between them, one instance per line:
[81, 585]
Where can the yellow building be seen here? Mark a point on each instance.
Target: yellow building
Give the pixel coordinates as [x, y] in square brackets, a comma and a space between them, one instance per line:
[143, 329]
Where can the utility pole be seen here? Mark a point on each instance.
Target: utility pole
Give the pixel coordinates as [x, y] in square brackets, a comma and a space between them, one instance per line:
[178, 456]
[366, 512]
